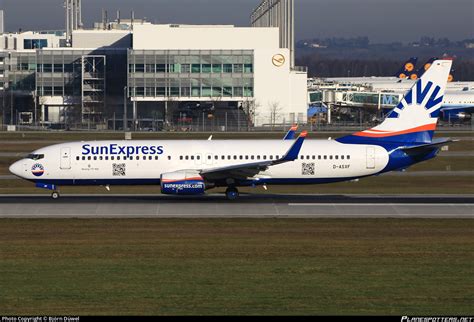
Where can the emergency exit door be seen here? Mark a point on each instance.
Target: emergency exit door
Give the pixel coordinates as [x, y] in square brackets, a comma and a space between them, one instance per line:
[370, 158]
[65, 158]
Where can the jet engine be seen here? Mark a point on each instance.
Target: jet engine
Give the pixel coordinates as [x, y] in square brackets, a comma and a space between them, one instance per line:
[182, 183]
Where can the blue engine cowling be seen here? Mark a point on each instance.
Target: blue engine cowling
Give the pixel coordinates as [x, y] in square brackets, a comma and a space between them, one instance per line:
[182, 183]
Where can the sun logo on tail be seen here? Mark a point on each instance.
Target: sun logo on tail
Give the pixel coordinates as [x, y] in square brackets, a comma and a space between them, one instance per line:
[421, 96]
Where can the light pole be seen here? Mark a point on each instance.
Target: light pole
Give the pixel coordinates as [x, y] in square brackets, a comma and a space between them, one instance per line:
[3, 106]
[11, 102]
[35, 112]
[125, 109]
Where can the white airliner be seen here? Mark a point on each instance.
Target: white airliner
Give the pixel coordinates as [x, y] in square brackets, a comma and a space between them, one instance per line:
[191, 167]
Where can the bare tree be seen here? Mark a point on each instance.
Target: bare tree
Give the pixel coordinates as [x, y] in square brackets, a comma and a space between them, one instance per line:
[275, 110]
[250, 107]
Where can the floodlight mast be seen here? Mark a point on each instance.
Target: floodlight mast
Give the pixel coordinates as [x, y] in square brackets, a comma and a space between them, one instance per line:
[73, 11]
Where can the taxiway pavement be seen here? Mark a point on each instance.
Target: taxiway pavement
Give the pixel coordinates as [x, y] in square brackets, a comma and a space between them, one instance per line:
[248, 206]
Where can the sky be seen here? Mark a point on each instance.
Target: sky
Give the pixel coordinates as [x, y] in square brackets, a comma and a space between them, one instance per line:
[382, 21]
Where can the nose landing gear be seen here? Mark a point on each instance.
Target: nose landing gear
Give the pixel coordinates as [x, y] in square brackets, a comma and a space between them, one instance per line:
[52, 187]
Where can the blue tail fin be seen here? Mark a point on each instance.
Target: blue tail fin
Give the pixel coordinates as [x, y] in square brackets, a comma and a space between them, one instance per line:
[407, 68]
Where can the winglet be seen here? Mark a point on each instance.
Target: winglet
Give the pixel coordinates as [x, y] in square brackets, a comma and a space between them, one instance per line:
[295, 149]
[291, 133]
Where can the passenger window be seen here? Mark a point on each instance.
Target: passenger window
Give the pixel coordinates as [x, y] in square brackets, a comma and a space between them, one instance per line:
[216, 157]
[181, 157]
[89, 158]
[192, 157]
[337, 157]
[314, 157]
[156, 157]
[241, 157]
[106, 158]
[246, 157]
[150, 158]
[229, 157]
[319, 157]
[235, 157]
[101, 158]
[271, 157]
[325, 157]
[307, 157]
[138, 158]
[95, 158]
[77, 158]
[169, 157]
[342, 157]
[186, 157]
[258, 157]
[118, 158]
[348, 157]
[252, 157]
[112, 158]
[330, 157]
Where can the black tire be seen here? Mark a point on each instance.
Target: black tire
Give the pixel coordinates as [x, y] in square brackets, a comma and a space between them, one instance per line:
[55, 195]
[232, 193]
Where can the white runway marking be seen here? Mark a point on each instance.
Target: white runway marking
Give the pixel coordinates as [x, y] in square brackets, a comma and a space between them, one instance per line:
[379, 204]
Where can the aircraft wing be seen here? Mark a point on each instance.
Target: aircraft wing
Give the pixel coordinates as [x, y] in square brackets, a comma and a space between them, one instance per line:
[246, 170]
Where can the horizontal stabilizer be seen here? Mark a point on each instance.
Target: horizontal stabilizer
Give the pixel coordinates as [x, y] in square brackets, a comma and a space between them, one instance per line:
[426, 148]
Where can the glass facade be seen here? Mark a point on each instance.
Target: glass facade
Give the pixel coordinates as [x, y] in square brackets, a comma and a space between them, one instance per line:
[372, 98]
[35, 43]
[190, 73]
[59, 72]
[22, 71]
[315, 97]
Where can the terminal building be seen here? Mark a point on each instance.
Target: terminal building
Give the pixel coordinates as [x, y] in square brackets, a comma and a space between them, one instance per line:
[134, 71]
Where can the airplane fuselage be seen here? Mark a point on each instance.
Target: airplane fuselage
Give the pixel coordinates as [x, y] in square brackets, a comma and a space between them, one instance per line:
[143, 162]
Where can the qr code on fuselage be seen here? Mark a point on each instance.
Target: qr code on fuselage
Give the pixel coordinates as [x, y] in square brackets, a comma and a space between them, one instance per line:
[307, 169]
[118, 169]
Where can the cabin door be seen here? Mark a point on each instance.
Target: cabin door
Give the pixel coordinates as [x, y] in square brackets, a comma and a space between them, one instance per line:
[370, 158]
[65, 158]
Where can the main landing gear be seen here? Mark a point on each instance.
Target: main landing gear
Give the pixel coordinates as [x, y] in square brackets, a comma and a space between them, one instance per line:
[55, 195]
[232, 193]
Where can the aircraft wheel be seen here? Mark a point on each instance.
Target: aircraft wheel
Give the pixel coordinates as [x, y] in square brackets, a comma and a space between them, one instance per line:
[232, 193]
[55, 195]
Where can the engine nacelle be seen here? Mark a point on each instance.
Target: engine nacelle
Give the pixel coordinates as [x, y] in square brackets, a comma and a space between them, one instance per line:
[182, 183]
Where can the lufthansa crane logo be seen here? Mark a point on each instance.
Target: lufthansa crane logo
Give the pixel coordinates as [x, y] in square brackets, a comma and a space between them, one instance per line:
[278, 60]
[409, 67]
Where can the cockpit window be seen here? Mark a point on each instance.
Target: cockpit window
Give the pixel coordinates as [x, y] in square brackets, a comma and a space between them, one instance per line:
[35, 156]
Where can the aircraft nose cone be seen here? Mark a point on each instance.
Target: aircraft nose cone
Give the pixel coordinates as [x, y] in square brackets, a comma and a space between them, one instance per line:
[15, 168]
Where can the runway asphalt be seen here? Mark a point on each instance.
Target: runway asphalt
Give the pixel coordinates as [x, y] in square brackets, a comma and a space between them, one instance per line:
[248, 206]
